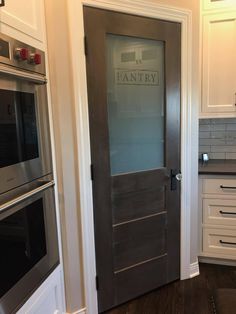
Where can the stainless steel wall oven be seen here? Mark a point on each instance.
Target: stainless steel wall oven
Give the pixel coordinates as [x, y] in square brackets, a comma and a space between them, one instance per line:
[24, 130]
[28, 230]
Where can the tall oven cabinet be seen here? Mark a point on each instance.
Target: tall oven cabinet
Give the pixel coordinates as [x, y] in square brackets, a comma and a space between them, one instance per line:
[25, 21]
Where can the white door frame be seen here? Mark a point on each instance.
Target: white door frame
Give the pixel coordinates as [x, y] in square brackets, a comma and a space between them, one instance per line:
[76, 30]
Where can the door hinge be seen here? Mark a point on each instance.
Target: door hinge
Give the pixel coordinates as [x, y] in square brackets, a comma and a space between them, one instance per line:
[92, 172]
[85, 46]
[2, 3]
[97, 282]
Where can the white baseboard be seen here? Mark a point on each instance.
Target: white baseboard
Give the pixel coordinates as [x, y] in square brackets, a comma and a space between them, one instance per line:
[217, 261]
[194, 269]
[81, 311]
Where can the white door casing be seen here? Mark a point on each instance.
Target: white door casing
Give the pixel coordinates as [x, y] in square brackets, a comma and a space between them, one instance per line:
[76, 31]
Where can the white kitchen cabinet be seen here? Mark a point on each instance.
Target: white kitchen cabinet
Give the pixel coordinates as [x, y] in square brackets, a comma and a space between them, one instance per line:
[48, 298]
[217, 4]
[219, 65]
[23, 20]
[218, 217]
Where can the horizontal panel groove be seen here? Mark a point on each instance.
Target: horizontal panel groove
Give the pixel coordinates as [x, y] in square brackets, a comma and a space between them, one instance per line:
[138, 219]
[145, 172]
[139, 264]
[162, 187]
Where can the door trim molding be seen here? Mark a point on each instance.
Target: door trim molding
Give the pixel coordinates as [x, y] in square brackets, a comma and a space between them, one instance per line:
[194, 269]
[75, 21]
[81, 311]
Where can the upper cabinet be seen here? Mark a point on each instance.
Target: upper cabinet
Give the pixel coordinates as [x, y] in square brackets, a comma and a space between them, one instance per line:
[217, 4]
[24, 20]
[218, 63]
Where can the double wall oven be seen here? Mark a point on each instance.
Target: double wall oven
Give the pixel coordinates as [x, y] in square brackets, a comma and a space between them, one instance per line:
[28, 231]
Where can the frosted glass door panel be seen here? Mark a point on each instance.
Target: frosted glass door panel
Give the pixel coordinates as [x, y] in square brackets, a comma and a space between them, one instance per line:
[135, 93]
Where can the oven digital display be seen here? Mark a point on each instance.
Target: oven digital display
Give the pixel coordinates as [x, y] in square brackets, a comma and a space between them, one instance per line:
[4, 49]
[18, 127]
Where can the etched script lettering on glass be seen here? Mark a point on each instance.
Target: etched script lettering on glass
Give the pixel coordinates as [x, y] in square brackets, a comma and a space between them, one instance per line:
[137, 77]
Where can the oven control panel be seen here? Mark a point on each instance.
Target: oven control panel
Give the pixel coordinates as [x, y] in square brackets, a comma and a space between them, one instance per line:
[21, 55]
[24, 54]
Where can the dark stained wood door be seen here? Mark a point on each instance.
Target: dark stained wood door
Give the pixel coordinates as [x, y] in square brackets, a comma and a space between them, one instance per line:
[133, 76]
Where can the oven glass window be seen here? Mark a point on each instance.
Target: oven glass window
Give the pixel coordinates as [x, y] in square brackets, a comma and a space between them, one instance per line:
[18, 127]
[22, 244]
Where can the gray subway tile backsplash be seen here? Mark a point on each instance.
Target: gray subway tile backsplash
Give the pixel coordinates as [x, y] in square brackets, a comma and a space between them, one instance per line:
[217, 155]
[230, 155]
[231, 127]
[204, 135]
[217, 134]
[211, 141]
[217, 137]
[204, 128]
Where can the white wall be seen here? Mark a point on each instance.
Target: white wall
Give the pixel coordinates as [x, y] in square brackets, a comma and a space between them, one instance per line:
[66, 154]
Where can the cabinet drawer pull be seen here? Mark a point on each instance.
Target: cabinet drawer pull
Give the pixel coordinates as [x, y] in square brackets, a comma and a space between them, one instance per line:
[228, 187]
[226, 213]
[225, 242]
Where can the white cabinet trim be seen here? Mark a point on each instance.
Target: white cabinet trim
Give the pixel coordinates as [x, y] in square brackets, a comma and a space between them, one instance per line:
[149, 9]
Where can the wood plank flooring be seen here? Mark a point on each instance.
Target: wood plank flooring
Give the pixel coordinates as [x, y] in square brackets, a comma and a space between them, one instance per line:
[192, 296]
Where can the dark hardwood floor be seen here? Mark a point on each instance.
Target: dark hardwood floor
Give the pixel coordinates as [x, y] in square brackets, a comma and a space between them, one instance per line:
[192, 296]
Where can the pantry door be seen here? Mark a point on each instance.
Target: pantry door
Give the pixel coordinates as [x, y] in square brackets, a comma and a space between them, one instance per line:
[133, 78]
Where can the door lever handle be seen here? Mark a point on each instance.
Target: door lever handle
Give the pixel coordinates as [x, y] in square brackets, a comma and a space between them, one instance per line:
[175, 176]
[179, 177]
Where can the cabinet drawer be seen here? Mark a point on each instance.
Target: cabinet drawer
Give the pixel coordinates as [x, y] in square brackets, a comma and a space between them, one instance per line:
[219, 212]
[219, 242]
[219, 186]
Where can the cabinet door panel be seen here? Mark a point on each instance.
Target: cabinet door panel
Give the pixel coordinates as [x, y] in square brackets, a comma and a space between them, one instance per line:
[219, 242]
[48, 298]
[219, 63]
[25, 16]
[219, 186]
[218, 4]
[219, 212]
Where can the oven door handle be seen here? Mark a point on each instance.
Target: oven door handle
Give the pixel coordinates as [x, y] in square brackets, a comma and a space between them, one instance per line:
[32, 77]
[25, 196]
